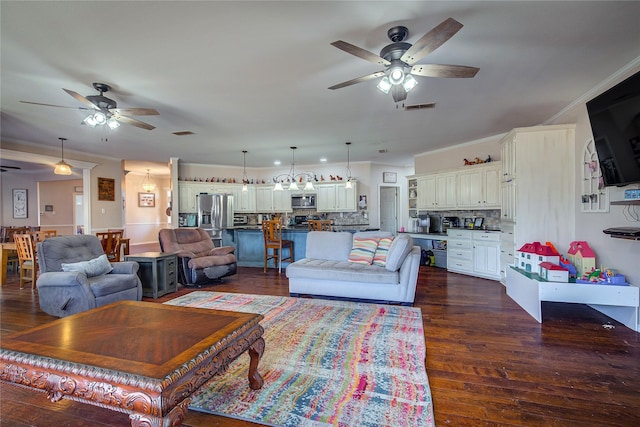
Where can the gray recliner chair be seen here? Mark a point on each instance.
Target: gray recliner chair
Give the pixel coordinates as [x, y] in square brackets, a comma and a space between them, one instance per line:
[84, 281]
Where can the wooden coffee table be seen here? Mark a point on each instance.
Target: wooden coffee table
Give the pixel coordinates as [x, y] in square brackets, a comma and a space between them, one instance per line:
[140, 358]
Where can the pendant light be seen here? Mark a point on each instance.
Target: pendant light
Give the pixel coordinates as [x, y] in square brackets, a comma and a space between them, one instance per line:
[292, 177]
[62, 167]
[245, 180]
[348, 183]
[147, 185]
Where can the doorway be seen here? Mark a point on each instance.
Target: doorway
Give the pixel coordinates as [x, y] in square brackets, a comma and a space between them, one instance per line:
[78, 213]
[389, 209]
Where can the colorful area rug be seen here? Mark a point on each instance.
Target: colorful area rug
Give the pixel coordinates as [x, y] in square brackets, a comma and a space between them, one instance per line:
[326, 363]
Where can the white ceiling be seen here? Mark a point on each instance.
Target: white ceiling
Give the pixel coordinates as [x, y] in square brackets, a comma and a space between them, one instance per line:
[254, 75]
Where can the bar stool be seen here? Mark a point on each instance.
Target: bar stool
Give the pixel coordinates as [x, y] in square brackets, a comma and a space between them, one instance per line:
[272, 233]
[320, 225]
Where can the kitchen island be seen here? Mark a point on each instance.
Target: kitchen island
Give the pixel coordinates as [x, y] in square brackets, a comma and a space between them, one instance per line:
[249, 242]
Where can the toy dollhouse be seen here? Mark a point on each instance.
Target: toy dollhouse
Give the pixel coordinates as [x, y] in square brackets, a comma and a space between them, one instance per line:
[530, 255]
[582, 257]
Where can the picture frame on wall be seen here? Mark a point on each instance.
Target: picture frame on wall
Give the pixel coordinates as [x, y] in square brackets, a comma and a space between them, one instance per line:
[146, 200]
[107, 189]
[20, 203]
[389, 177]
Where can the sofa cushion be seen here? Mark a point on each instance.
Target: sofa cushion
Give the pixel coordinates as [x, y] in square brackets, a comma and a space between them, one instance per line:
[398, 251]
[112, 284]
[363, 250]
[329, 245]
[93, 267]
[341, 271]
[382, 251]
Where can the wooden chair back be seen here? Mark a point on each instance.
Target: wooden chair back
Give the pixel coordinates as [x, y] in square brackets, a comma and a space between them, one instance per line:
[320, 225]
[111, 242]
[25, 247]
[272, 234]
[13, 231]
[39, 236]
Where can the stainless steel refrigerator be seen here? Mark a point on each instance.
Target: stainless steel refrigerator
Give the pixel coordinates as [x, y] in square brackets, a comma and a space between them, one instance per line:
[215, 213]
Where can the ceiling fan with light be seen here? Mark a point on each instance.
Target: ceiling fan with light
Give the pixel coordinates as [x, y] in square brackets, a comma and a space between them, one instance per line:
[400, 59]
[105, 111]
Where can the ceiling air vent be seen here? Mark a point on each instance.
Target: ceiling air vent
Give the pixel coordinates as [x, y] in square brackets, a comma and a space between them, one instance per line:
[419, 106]
[383, 151]
[184, 133]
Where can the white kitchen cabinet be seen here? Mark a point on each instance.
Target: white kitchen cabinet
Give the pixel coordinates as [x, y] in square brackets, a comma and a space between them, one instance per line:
[244, 201]
[486, 254]
[187, 198]
[268, 200]
[479, 187]
[336, 197]
[436, 192]
[459, 251]
[540, 185]
[412, 196]
[474, 252]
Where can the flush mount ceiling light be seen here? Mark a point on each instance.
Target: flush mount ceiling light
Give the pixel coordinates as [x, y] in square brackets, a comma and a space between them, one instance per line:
[348, 183]
[245, 180]
[292, 177]
[147, 185]
[62, 167]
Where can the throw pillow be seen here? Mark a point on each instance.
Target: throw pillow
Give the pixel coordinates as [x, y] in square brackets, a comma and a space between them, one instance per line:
[93, 267]
[398, 251]
[380, 257]
[363, 250]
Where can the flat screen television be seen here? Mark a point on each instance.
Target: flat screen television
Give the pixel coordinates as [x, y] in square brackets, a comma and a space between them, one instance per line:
[615, 122]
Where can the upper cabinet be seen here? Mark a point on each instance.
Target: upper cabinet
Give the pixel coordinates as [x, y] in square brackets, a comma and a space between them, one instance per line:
[268, 200]
[336, 197]
[479, 187]
[472, 187]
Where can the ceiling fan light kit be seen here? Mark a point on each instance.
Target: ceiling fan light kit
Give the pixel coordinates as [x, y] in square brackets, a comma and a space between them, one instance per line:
[105, 111]
[62, 167]
[399, 56]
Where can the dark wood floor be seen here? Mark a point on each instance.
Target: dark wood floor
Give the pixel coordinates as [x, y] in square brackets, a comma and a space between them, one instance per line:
[489, 363]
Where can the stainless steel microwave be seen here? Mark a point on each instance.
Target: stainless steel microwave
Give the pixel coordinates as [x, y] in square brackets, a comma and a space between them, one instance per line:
[303, 201]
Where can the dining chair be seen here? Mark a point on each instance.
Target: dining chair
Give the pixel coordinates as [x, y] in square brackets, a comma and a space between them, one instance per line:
[272, 234]
[320, 225]
[111, 242]
[11, 232]
[39, 236]
[27, 259]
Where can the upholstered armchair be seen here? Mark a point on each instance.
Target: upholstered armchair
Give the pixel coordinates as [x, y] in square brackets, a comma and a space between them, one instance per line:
[199, 261]
[75, 276]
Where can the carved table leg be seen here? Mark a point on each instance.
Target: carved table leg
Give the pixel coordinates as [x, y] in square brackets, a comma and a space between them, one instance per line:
[173, 419]
[255, 352]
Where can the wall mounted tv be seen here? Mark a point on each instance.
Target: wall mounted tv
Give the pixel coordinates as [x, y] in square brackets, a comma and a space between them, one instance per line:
[615, 122]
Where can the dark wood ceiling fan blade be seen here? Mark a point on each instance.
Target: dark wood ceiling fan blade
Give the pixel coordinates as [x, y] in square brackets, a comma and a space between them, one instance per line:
[10, 167]
[431, 41]
[442, 70]
[398, 93]
[358, 80]
[53, 105]
[360, 53]
[82, 99]
[134, 122]
[135, 111]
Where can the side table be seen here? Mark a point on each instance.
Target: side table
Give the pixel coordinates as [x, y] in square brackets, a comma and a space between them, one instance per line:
[158, 272]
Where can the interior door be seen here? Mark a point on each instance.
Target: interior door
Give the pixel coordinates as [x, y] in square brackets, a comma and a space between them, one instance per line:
[389, 209]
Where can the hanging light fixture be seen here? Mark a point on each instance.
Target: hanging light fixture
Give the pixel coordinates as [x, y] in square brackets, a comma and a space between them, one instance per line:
[62, 167]
[147, 185]
[291, 177]
[348, 183]
[245, 180]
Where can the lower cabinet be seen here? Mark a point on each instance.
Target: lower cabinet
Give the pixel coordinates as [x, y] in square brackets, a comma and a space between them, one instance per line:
[474, 252]
[459, 251]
